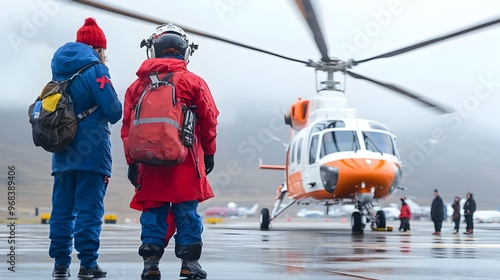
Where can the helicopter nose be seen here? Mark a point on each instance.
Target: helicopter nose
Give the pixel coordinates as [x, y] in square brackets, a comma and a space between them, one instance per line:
[347, 176]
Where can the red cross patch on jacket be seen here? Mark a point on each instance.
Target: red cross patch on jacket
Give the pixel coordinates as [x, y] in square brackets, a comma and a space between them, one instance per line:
[103, 81]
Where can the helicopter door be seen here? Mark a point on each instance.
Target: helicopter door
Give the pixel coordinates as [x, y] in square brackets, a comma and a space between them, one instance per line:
[311, 171]
[295, 173]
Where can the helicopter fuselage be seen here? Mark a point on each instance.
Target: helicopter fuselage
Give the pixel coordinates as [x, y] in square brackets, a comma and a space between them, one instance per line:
[343, 160]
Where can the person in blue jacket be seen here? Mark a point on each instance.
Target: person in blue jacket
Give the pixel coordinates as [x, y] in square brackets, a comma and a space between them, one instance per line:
[81, 172]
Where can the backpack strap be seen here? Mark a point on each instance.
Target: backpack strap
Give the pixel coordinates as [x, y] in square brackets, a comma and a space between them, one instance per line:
[81, 70]
[155, 80]
[167, 77]
[153, 76]
[87, 112]
[166, 80]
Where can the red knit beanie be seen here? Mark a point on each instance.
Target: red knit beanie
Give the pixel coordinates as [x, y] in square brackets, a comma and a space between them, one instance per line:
[91, 34]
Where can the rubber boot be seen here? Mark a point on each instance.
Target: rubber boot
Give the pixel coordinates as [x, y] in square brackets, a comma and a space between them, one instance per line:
[151, 254]
[190, 254]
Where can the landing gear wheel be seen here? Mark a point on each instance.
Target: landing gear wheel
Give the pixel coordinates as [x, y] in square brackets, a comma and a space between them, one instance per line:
[357, 226]
[264, 219]
[380, 219]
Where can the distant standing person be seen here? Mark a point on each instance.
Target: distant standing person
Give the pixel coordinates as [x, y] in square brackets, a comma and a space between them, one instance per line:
[456, 214]
[469, 209]
[405, 215]
[437, 213]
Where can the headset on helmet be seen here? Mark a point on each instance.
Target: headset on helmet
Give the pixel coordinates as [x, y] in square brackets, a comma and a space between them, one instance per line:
[169, 39]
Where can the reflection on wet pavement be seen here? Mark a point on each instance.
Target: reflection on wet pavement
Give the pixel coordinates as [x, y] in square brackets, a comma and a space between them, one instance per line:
[305, 250]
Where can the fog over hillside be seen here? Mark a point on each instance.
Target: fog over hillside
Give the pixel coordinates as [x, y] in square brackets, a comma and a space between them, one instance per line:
[435, 155]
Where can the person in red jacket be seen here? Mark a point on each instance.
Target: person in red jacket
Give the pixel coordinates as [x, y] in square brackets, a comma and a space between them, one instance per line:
[178, 189]
[405, 215]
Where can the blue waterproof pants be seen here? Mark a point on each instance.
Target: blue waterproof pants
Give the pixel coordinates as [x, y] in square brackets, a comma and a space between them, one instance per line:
[77, 211]
[188, 221]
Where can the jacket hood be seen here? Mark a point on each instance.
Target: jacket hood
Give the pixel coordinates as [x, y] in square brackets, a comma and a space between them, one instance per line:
[69, 58]
[160, 65]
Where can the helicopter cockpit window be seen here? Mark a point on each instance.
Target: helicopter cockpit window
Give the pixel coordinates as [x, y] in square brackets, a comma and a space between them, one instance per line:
[327, 124]
[378, 142]
[339, 141]
[313, 149]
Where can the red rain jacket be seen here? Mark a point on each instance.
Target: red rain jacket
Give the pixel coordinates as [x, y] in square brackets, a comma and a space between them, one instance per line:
[405, 211]
[180, 183]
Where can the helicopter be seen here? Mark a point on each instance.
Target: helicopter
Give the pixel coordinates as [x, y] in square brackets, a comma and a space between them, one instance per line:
[333, 157]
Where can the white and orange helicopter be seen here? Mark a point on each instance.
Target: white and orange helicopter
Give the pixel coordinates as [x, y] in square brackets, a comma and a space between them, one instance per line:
[333, 157]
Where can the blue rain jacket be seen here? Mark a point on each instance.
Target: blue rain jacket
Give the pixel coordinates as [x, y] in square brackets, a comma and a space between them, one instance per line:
[91, 148]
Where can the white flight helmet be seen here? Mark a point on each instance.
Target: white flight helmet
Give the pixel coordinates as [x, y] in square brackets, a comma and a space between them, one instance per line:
[169, 39]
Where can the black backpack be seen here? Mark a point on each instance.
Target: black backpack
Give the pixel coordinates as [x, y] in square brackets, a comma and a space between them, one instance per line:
[52, 117]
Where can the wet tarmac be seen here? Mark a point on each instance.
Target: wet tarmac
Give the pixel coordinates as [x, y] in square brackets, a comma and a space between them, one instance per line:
[296, 250]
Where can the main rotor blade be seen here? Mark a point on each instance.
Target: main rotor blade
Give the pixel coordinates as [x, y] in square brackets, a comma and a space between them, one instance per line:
[429, 42]
[440, 108]
[308, 12]
[149, 19]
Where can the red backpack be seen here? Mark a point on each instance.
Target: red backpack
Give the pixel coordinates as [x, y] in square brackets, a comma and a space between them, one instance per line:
[161, 127]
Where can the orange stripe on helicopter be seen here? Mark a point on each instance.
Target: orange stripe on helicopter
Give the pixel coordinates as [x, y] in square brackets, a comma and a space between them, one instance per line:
[270, 166]
[352, 173]
[294, 183]
[273, 167]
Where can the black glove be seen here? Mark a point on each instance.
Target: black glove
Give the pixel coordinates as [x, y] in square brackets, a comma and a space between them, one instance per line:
[133, 174]
[209, 163]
